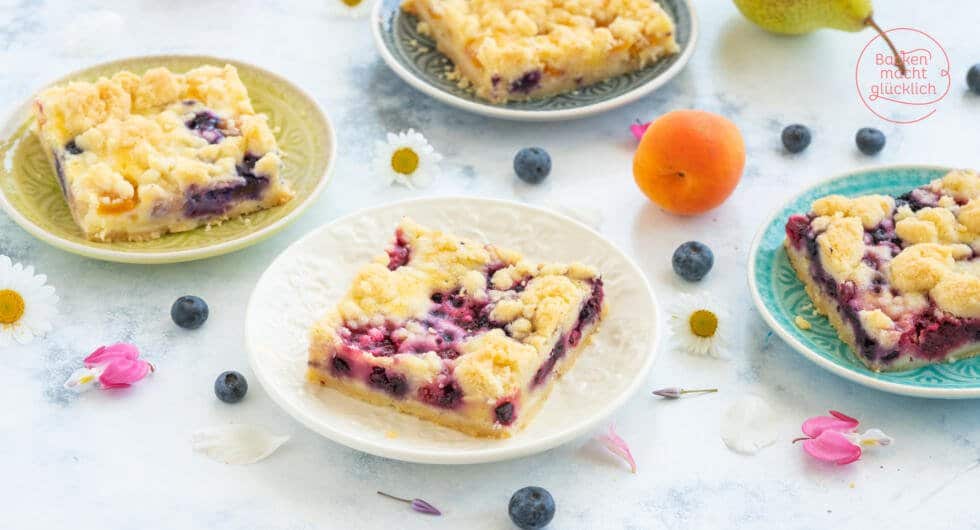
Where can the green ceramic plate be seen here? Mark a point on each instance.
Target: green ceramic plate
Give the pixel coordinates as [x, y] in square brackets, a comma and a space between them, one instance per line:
[30, 195]
[414, 58]
[779, 295]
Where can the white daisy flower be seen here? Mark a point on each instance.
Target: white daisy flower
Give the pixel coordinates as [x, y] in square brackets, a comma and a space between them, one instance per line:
[407, 158]
[349, 8]
[27, 305]
[700, 326]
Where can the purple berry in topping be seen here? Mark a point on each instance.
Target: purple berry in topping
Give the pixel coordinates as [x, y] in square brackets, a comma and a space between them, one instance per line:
[504, 413]
[189, 312]
[973, 78]
[532, 164]
[340, 366]
[230, 387]
[527, 82]
[531, 508]
[73, 148]
[796, 138]
[870, 141]
[692, 261]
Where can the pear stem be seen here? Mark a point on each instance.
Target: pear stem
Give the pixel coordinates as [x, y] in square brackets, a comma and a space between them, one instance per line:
[899, 62]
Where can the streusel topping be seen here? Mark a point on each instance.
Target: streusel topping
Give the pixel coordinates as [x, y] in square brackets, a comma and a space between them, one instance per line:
[939, 245]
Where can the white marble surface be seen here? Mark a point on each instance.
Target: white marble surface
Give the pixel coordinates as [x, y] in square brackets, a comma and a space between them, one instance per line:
[124, 460]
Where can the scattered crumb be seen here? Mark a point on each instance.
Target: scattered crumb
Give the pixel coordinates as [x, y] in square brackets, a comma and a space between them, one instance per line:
[391, 434]
[801, 322]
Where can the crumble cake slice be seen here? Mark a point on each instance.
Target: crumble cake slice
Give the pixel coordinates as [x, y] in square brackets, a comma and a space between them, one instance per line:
[466, 335]
[521, 49]
[140, 156]
[899, 278]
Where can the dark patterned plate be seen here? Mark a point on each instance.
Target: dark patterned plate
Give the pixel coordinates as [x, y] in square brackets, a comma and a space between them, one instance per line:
[415, 59]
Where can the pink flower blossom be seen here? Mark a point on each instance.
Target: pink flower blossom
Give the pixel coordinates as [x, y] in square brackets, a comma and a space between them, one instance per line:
[835, 438]
[638, 129]
[114, 366]
[617, 446]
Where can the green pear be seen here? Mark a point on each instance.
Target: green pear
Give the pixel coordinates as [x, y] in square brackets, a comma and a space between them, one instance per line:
[796, 17]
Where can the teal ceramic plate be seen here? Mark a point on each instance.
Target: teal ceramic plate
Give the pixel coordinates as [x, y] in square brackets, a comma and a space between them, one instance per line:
[415, 59]
[779, 295]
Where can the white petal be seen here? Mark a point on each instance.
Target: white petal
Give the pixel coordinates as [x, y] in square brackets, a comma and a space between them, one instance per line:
[82, 379]
[237, 443]
[748, 425]
[871, 437]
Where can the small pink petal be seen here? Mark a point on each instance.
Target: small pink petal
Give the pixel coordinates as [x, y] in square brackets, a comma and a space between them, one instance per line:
[106, 354]
[121, 373]
[638, 129]
[838, 422]
[618, 447]
[832, 446]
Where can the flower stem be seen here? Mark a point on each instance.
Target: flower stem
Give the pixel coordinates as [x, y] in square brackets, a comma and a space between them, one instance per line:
[383, 494]
[699, 391]
[802, 438]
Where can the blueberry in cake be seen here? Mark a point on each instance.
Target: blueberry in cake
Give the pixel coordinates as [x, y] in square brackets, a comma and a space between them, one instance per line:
[899, 278]
[140, 156]
[467, 335]
[519, 49]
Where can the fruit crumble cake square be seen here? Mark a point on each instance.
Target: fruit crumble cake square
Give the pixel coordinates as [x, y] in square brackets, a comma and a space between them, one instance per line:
[520, 49]
[467, 335]
[899, 278]
[140, 156]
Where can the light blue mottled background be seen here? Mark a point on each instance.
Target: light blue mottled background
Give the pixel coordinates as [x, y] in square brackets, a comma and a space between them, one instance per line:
[124, 460]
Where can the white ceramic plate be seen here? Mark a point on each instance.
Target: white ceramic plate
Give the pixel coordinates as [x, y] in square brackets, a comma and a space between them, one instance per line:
[314, 273]
[414, 58]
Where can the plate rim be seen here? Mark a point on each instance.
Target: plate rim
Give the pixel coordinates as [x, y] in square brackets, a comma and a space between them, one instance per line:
[494, 111]
[492, 454]
[835, 368]
[10, 123]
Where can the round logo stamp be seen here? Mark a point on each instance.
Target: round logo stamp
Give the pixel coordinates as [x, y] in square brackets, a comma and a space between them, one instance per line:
[903, 97]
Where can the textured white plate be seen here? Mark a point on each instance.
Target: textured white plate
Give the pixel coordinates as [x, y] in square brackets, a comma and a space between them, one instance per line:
[314, 273]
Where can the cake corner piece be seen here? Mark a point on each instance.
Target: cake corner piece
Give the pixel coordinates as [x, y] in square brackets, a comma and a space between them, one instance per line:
[897, 277]
[140, 156]
[462, 334]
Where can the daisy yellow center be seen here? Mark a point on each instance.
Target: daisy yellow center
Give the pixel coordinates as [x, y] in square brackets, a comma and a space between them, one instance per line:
[405, 161]
[11, 306]
[351, 3]
[703, 323]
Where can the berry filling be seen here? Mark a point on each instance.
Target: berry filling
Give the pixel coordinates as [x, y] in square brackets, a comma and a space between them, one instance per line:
[217, 201]
[504, 413]
[933, 334]
[399, 253]
[526, 83]
[445, 395]
[207, 125]
[587, 315]
[395, 385]
[73, 148]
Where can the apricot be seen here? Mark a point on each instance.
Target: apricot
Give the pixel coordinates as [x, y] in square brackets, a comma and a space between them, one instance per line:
[689, 161]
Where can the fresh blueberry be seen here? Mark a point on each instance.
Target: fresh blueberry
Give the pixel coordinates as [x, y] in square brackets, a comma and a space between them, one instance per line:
[531, 508]
[230, 387]
[189, 312]
[796, 138]
[532, 164]
[693, 260]
[973, 78]
[869, 140]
